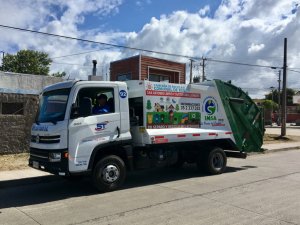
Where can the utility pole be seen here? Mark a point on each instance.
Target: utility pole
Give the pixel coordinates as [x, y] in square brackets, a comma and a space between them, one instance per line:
[283, 125]
[3, 62]
[191, 70]
[279, 81]
[272, 88]
[204, 63]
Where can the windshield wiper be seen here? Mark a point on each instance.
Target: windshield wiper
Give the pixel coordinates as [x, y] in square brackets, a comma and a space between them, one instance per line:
[37, 122]
[51, 121]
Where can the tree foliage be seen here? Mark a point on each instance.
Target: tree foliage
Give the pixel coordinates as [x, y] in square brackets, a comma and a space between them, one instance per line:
[58, 74]
[267, 104]
[289, 96]
[28, 62]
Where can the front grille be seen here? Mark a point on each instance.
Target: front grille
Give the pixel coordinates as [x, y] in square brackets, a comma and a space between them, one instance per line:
[39, 154]
[46, 139]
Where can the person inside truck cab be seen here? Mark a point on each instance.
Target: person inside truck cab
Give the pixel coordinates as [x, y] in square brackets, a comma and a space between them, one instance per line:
[101, 105]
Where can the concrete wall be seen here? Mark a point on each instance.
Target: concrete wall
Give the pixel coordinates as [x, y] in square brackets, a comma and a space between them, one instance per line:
[290, 117]
[15, 129]
[26, 81]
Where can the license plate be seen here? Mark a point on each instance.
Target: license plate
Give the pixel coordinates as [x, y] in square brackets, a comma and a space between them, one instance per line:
[36, 165]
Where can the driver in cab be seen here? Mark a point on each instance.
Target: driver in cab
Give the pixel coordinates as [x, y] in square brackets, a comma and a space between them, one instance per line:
[102, 106]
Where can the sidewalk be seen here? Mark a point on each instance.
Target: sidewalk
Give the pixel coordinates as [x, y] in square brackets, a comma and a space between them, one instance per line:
[24, 177]
[32, 176]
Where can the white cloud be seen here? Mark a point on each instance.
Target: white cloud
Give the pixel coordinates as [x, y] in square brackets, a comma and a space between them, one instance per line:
[245, 31]
[44, 14]
[138, 3]
[226, 37]
[255, 48]
[205, 10]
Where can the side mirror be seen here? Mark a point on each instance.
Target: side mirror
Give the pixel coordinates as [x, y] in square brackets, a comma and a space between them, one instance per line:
[86, 107]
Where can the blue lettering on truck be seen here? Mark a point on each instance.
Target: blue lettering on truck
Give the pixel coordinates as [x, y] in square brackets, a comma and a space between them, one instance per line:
[101, 126]
[40, 128]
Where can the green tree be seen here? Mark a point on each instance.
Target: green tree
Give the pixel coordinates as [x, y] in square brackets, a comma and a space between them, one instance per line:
[28, 62]
[289, 96]
[177, 107]
[58, 74]
[148, 105]
[267, 104]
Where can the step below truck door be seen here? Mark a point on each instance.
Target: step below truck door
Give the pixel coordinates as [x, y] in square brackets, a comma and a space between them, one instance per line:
[244, 116]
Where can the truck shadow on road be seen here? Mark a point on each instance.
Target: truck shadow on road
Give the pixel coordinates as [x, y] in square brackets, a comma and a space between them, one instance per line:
[62, 190]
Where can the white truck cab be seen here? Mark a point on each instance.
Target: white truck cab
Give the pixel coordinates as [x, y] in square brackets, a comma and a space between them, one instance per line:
[149, 124]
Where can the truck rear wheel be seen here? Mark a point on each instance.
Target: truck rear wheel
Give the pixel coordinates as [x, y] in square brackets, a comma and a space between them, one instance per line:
[212, 161]
[109, 173]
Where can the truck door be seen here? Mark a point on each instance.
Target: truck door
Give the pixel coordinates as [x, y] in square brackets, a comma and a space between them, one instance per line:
[85, 133]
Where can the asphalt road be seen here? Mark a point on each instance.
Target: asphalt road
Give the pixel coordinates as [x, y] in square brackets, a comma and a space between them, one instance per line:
[262, 189]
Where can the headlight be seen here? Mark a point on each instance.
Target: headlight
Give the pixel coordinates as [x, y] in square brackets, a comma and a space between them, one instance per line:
[54, 157]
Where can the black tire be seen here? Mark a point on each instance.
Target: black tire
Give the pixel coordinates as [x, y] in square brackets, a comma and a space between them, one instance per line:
[180, 162]
[213, 161]
[115, 170]
[74, 178]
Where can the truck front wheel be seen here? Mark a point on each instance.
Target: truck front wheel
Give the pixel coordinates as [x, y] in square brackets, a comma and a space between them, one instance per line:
[109, 173]
[212, 161]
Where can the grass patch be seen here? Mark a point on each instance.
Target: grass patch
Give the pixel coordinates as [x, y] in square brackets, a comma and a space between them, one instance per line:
[14, 162]
[275, 138]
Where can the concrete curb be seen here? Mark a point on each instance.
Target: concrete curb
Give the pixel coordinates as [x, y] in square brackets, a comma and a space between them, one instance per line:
[29, 180]
[275, 150]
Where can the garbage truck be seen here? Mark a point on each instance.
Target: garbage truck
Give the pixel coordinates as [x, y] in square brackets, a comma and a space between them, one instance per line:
[148, 124]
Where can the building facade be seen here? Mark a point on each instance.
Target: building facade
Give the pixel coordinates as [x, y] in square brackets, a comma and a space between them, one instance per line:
[19, 95]
[142, 67]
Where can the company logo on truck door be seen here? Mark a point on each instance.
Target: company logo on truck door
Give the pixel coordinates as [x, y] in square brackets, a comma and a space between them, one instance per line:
[210, 106]
[101, 126]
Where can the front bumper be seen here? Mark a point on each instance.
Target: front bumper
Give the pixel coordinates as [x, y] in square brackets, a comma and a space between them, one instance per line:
[42, 157]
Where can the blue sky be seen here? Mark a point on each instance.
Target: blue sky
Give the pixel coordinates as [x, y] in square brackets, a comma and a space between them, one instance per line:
[133, 15]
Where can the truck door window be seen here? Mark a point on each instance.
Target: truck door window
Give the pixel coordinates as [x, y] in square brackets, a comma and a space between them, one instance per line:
[102, 99]
[137, 105]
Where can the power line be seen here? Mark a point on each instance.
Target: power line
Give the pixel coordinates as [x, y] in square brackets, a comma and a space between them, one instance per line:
[294, 71]
[75, 64]
[78, 54]
[71, 64]
[120, 46]
[95, 42]
[245, 64]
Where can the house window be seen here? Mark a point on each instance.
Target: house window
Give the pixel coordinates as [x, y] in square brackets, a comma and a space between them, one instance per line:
[15, 108]
[159, 78]
[123, 77]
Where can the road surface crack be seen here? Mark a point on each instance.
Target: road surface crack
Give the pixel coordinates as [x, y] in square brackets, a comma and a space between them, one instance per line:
[27, 215]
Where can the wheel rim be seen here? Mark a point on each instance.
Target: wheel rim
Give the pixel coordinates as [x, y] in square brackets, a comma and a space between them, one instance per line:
[110, 173]
[218, 161]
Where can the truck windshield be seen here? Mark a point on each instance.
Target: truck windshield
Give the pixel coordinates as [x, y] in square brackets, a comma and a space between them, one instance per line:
[52, 106]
